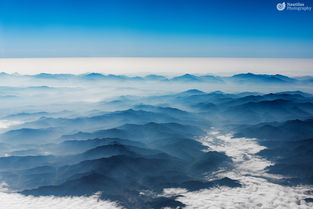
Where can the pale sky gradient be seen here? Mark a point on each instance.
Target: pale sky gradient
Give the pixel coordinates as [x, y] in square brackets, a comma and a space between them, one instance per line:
[165, 66]
[159, 28]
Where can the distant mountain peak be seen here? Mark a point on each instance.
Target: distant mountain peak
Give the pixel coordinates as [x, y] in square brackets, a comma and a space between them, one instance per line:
[267, 78]
[192, 92]
[186, 77]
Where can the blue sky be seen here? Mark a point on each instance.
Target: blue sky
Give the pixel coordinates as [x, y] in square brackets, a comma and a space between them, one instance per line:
[153, 28]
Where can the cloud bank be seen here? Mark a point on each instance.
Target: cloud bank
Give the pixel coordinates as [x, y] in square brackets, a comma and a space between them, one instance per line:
[18, 201]
[257, 191]
[219, 66]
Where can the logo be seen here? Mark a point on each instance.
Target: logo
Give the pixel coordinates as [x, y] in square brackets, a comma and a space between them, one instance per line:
[281, 6]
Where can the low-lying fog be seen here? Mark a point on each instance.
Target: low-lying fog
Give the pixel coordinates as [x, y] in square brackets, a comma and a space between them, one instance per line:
[190, 141]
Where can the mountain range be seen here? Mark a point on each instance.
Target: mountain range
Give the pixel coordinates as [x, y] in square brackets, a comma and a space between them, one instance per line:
[129, 139]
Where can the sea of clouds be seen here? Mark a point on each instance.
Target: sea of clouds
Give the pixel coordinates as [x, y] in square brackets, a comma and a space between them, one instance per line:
[18, 201]
[250, 169]
[257, 192]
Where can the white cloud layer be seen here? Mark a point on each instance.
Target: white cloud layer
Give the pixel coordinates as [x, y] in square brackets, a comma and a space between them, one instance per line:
[18, 201]
[256, 192]
[219, 66]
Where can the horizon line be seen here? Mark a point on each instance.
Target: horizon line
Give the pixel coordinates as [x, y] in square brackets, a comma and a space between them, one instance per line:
[158, 65]
[148, 57]
[168, 76]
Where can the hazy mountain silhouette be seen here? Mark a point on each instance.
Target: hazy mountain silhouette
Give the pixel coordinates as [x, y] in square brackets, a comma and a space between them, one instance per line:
[131, 137]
